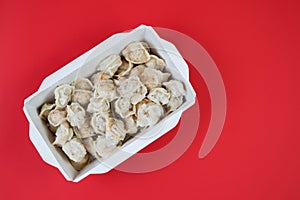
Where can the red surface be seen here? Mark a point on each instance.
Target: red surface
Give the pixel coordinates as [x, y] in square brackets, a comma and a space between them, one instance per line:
[256, 46]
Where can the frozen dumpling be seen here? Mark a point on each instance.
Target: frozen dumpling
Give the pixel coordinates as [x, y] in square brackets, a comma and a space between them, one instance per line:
[104, 147]
[74, 149]
[124, 107]
[159, 96]
[82, 97]
[79, 165]
[132, 88]
[110, 64]
[63, 134]
[46, 108]
[156, 63]
[136, 53]
[98, 77]
[63, 94]
[148, 113]
[98, 105]
[76, 114]
[153, 78]
[176, 88]
[130, 125]
[98, 122]
[174, 103]
[56, 117]
[83, 84]
[85, 130]
[115, 129]
[124, 69]
[105, 89]
[137, 71]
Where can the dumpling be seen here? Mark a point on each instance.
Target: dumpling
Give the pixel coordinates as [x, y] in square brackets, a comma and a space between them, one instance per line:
[82, 97]
[174, 103]
[115, 129]
[104, 147]
[132, 88]
[124, 69]
[118, 80]
[97, 105]
[52, 128]
[83, 84]
[148, 113]
[89, 145]
[56, 117]
[110, 64]
[176, 88]
[137, 71]
[130, 125]
[98, 122]
[46, 108]
[159, 96]
[146, 46]
[63, 134]
[105, 89]
[76, 114]
[75, 150]
[136, 53]
[85, 130]
[79, 165]
[98, 77]
[63, 94]
[124, 107]
[153, 78]
[156, 63]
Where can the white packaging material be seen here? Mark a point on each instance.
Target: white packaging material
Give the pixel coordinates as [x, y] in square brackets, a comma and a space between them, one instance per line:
[84, 66]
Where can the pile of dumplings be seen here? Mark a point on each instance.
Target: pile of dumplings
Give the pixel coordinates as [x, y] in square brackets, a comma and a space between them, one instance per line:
[92, 117]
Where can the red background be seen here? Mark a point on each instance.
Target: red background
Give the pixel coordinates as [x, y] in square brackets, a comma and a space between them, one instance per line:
[256, 46]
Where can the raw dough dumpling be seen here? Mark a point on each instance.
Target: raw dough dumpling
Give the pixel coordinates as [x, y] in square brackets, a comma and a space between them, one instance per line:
[124, 107]
[136, 53]
[105, 89]
[124, 69]
[74, 149]
[174, 103]
[63, 134]
[82, 97]
[89, 145]
[63, 95]
[104, 147]
[156, 63]
[85, 130]
[79, 165]
[98, 105]
[98, 77]
[115, 130]
[176, 88]
[110, 64]
[98, 122]
[46, 108]
[83, 84]
[153, 78]
[159, 96]
[52, 128]
[76, 114]
[130, 125]
[132, 88]
[148, 113]
[137, 71]
[146, 46]
[56, 117]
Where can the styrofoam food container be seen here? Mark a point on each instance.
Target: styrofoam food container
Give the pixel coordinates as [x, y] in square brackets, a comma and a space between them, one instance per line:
[84, 66]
